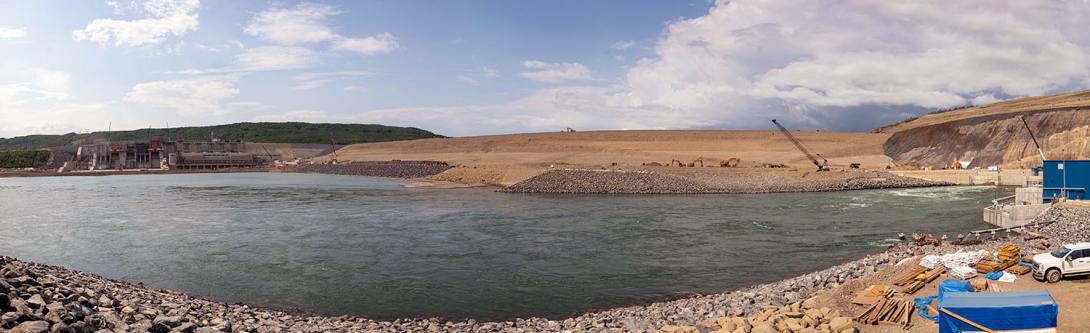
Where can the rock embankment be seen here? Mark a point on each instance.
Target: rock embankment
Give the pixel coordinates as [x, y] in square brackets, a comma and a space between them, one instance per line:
[649, 182]
[1072, 224]
[607, 181]
[391, 169]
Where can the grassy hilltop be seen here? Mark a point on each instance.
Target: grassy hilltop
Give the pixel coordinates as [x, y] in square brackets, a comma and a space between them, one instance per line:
[290, 132]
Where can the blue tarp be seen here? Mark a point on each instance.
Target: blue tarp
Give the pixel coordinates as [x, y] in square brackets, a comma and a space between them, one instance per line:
[921, 307]
[946, 286]
[957, 286]
[998, 311]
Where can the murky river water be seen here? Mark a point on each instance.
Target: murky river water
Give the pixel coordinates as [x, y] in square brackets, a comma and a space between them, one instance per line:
[365, 246]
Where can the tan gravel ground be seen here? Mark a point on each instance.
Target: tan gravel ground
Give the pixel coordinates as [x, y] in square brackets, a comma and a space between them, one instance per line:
[508, 159]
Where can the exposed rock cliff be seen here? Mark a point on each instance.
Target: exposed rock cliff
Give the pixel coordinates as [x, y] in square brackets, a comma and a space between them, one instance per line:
[995, 139]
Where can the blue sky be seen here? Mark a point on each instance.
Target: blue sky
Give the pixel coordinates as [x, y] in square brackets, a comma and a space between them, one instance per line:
[488, 67]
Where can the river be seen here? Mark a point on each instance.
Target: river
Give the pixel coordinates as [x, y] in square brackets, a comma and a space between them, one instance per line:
[366, 246]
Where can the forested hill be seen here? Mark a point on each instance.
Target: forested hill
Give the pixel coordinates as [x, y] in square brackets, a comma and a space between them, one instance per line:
[292, 132]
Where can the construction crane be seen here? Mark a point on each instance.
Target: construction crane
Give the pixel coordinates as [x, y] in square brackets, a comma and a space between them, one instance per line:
[822, 166]
[1031, 136]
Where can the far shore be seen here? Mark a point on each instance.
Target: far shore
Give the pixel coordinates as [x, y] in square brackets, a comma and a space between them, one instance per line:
[54, 173]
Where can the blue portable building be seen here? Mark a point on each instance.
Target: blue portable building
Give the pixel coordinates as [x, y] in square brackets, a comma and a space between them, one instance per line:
[1066, 178]
[1005, 311]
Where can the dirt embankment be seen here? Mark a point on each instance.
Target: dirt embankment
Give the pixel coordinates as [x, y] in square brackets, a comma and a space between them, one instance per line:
[995, 140]
[508, 159]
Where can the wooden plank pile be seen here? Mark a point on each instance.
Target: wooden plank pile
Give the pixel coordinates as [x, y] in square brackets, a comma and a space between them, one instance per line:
[908, 277]
[1009, 252]
[896, 312]
[919, 282]
[988, 266]
[873, 294]
[1019, 269]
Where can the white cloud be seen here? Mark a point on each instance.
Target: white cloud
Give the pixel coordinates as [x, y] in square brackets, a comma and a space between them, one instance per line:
[37, 100]
[378, 44]
[307, 24]
[353, 88]
[188, 97]
[584, 108]
[271, 58]
[34, 85]
[12, 33]
[857, 65]
[985, 99]
[555, 72]
[469, 80]
[624, 44]
[309, 81]
[165, 17]
[476, 77]
[304, 23]
[859, 54]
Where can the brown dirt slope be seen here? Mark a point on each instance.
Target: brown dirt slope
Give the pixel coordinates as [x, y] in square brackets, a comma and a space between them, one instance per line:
[508, 159]
[1077, 99]
[993, 135]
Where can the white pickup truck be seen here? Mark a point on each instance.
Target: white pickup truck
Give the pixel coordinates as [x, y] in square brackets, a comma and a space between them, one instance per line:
[1068, 260]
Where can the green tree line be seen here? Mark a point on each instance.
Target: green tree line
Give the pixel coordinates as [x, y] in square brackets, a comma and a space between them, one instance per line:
[288, 132]
[23, 158]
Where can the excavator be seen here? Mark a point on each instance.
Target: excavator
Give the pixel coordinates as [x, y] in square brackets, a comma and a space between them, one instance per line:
[822, 166]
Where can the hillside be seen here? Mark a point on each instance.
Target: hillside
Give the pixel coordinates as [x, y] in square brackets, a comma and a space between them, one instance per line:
[993, 135]
[290, 132]
[1065, 101]
[507, 159]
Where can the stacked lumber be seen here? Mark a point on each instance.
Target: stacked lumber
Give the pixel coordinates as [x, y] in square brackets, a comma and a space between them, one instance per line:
[1019, 269]
[919, 282]
[873, 294]
[908, 277]
[988, 266]
[1009, 252]
[888, 312]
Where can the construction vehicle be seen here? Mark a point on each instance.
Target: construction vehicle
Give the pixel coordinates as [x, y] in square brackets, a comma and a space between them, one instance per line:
[1031, 136]
[729, 163]
[822, 166]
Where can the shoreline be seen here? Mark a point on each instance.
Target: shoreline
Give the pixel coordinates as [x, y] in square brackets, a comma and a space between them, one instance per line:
[114, 304]
[53, 173]
[429, 174]
[608, 181]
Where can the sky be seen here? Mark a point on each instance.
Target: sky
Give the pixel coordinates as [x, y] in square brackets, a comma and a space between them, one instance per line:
[478, 67]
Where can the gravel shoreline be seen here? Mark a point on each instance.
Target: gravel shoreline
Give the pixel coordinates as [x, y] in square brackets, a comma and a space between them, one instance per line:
[649, 182]
[389, 169]
[41, 298]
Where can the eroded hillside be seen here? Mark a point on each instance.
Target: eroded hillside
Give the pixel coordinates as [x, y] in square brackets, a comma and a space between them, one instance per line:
[993, 135]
